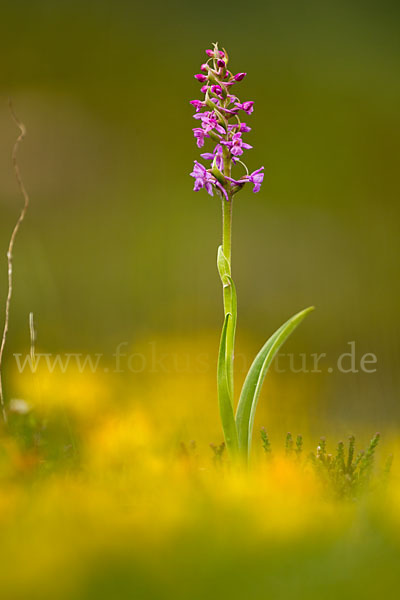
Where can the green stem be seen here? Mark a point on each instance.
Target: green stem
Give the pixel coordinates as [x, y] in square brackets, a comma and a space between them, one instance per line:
[229, 305]
[225, 358]
[227, 250]
[227, 229]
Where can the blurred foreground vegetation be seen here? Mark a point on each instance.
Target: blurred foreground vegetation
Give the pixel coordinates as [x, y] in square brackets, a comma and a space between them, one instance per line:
[117, 246]
[105, 497]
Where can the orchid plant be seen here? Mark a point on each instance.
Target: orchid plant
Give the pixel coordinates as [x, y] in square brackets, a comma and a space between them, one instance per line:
[219, 115]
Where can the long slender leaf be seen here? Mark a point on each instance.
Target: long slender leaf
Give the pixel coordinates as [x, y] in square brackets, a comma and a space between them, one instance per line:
[224, 398]
[255, 378]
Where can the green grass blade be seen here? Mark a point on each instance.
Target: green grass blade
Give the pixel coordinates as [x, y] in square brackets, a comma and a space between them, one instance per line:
[255, 378]
[224, 397]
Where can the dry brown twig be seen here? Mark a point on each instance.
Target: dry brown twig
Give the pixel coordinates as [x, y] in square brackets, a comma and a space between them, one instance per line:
[10, 249]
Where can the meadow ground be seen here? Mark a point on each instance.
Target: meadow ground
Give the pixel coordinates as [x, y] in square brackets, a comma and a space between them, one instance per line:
[105, 494]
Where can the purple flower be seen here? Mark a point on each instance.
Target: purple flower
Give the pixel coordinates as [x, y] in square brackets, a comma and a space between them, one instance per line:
[211, 155]
[236, 145]
[242, 127]
[200, 77]
[256, 178]
[221, 63]
[239, 76]
[199, 134]
[216, 89]
[202, 178]
[197, 104]
[230, 111]
[248, 107]
[209, 122]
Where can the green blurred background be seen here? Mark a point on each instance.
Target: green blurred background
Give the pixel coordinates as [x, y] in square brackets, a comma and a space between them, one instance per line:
[116, 247]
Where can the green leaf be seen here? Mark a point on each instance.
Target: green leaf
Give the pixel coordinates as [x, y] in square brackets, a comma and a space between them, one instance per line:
[224, 397]
[223, 265]
[255, 378]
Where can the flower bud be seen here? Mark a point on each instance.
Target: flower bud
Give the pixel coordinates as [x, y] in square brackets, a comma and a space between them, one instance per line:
[216, 89]
[221, 63]
[239, 76]
[248, 106]
[210, 53]
[204, 68]
[201, 78]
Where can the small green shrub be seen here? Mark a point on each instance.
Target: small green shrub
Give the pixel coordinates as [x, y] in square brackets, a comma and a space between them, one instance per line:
[343, 474]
